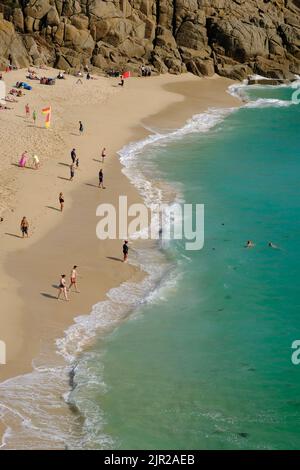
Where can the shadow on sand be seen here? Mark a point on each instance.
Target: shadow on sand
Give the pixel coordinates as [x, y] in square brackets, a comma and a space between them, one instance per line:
[13, 235]
[62, 178]
[49, 296]
[26, 167]
[53, 208]
[114, 259]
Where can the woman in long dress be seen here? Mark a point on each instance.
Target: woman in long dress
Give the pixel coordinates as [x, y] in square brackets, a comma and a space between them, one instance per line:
[23, 160]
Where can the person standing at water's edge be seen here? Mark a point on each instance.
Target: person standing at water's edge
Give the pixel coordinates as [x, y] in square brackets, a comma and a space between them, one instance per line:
[80, 128]
[125, 251]
[73, 279]
[101, 179]
[62, 287]
[24, 226]
[61, 201]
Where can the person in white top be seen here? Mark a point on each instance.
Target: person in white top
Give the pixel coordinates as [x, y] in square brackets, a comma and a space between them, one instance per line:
[36, 162]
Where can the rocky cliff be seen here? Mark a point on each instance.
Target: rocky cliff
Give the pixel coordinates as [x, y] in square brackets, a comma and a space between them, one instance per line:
[230, 37]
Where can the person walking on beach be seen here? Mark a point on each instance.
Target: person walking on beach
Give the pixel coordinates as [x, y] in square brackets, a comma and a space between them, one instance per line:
[72, 171]
[36, 162]
[24, 226]
[125, 251]
[103, 154]
[73, 279]
[61, 201]
[101, 179]
[34, 117]
[73, 155]
[62, 287]
[27, 110]
[77, 163]
[80, 128]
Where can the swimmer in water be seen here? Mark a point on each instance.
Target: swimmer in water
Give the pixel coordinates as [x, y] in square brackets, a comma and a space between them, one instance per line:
[271, 245]
[249, 244]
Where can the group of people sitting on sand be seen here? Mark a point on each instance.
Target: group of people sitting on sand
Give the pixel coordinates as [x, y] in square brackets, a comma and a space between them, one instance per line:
[47, 81]
[32, 75]
[10, 99]
[4, 107]
[17, 93]
[61, 76]
[146, 71]
[80, 75]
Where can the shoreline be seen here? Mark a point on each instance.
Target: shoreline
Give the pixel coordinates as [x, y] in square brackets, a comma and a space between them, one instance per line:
[173, 102]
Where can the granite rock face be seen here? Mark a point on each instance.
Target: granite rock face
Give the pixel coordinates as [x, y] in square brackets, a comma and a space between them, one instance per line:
[231, 37]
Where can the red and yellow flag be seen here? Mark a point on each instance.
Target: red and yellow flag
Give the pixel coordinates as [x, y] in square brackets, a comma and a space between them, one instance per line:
[47, 112]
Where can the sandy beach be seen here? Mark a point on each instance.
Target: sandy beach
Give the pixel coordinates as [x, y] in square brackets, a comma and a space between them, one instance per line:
[30, 315]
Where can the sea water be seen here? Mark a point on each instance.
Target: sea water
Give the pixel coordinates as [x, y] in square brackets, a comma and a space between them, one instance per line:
[197, 356]
[205, 361]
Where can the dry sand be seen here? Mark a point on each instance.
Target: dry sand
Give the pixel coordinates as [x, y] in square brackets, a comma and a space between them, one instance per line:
[29, 269]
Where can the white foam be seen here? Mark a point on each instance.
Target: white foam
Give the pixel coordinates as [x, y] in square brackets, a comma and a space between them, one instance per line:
[130, 155]
[258, 77]
[240, 91]
[121, 301]
[268, 103]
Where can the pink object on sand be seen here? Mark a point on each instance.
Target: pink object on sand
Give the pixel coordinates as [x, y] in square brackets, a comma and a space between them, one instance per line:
[23, 160]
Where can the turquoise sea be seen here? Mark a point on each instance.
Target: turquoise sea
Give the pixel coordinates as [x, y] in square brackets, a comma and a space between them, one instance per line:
[205, 361]
[201, 358]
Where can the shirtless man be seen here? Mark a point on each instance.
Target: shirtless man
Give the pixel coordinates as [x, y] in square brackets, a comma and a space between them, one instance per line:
[73, 279]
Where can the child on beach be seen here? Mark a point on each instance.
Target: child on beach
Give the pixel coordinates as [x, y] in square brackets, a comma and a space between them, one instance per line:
[103, 154]
[62, 287]
[80, 128]
[36, 162]
[24, 227]
[72, 171]
[101, 178]
[27, 110]
[34, 117]
[77, 163]
[73, 279]
[61, 201]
